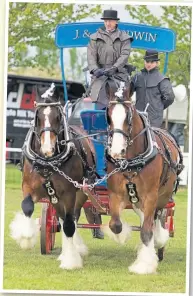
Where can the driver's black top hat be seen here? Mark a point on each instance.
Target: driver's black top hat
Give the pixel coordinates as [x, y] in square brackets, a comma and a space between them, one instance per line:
[110, 15]
[151, 55]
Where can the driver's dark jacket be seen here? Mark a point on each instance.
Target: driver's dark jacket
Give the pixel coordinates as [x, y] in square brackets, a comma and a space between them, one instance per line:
[106, 50]
[154, 88]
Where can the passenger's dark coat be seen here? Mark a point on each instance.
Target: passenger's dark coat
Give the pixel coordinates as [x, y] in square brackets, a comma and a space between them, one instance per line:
[154, 88]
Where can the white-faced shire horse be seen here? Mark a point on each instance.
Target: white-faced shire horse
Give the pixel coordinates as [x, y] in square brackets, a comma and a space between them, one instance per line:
[149, 162]
[55, 160]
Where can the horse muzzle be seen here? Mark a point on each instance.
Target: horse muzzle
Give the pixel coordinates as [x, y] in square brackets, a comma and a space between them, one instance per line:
[47, 151]
[120, 155]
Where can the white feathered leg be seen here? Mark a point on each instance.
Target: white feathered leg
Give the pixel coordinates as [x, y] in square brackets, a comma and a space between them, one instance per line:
[147, 260]
[161, 235]
[120, 238]
[70, 257]
[24, 230]
[79, 244]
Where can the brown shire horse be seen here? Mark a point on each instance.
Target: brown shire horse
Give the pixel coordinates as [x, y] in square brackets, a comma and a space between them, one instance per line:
[50, 152]
[150, 162]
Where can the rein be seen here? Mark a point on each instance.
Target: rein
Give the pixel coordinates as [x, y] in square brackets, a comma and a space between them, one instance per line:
[84, 137]
[116, 130]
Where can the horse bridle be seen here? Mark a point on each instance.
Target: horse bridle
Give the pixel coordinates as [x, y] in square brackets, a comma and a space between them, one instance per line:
[129, 140]
[50, 129]
[129, 120]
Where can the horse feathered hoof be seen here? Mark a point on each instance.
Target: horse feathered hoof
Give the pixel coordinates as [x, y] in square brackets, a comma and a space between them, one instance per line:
[70, 257]
[120, 238]
[143, 268]
[79, 244]
[65, 264]
[161, 235]
[71, 260]
[24, 231]
[82, 250]
[27, 243]
[146, 262]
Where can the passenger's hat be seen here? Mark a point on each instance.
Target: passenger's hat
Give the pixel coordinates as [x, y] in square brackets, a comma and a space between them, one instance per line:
[151, 55]
[110, 15]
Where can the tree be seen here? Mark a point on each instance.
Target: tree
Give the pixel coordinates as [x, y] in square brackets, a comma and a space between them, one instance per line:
[32, 26]
[78, 59]
[177, 18]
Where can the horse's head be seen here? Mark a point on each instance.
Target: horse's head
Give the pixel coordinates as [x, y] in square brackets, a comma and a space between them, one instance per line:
[48, 117]
[119, 119]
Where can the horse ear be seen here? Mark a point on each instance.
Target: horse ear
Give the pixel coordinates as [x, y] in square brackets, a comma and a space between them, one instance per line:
[110, 90]
[131, 89]
[36, 91]
[57, 94]
[128, 92]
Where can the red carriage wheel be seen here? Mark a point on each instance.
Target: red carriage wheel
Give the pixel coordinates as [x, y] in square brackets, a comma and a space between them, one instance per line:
[48, 228]
[170, 221]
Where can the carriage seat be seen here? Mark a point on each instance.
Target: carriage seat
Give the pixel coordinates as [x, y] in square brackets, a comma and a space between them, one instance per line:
[94, 120]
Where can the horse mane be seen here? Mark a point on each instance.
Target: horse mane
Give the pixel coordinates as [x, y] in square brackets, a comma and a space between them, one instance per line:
[111, 89]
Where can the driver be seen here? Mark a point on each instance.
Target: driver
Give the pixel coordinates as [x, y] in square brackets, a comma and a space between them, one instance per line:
[108, 50]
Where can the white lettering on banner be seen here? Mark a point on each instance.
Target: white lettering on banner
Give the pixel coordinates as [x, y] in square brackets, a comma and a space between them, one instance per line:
[86, 34]
[139, 35]
[30, 114]
[21, 113]
[22, 123]
[146, 36]
[152, 37]
[14, 98]
[11, 112]
[77, 35]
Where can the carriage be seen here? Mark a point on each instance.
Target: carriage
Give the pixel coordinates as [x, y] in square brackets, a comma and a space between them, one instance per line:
[95, 123]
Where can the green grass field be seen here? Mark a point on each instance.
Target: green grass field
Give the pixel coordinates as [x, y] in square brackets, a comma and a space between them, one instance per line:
[105, 267]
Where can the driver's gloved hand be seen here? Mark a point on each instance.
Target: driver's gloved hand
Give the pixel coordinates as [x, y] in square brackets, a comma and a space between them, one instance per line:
[130, 68]
[111, 71]
[98, 72]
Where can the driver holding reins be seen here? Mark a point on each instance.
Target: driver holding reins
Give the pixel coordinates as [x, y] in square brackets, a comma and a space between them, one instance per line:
[108, 50]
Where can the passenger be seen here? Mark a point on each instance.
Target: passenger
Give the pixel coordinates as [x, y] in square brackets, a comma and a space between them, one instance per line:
[154, 88]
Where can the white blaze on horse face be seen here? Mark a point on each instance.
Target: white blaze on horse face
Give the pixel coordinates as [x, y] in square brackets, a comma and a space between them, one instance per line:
[118, 140]
[46, 143]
